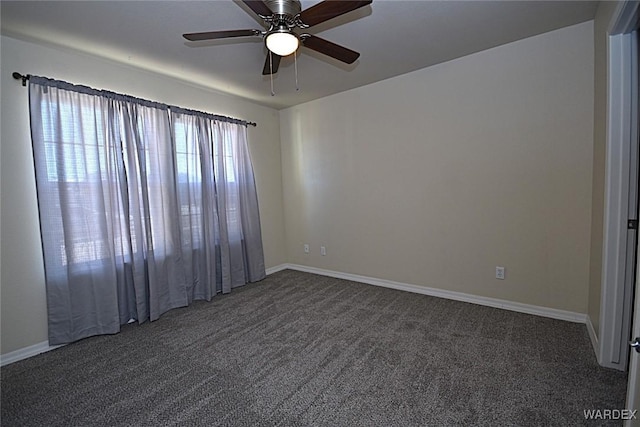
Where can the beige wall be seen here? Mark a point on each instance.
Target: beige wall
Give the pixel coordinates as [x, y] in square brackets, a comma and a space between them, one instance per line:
[23, 307]
[600, 40]
[435, 177]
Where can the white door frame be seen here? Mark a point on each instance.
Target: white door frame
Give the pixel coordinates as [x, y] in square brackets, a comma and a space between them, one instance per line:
[622, 118]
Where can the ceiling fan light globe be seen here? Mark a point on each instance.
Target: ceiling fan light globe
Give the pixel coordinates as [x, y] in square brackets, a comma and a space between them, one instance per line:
[282, 43]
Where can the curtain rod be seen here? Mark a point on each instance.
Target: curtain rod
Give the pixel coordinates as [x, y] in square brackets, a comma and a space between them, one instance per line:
[24, 79]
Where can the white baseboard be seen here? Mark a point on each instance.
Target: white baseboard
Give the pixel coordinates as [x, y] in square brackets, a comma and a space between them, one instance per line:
[457, 296]
[276, 268]
[26, 352]
[594, 338]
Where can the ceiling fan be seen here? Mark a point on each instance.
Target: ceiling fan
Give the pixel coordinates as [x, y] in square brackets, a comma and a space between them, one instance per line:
[282, 17]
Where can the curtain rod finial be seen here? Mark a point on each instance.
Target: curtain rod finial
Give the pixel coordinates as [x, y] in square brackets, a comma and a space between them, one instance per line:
[19, 76]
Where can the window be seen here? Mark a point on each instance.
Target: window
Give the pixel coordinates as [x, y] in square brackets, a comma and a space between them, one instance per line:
[83, 154]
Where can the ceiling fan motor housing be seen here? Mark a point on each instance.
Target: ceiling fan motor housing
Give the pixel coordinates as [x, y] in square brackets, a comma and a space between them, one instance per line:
[286, 10]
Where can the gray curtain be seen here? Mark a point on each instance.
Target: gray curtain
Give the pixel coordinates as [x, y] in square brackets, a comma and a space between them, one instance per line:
[143, 207]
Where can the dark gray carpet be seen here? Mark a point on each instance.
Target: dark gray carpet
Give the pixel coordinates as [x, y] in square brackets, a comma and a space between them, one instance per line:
[300, 349]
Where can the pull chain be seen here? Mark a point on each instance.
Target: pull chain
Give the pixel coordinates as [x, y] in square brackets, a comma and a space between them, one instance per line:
[295, 64]
[271, 73]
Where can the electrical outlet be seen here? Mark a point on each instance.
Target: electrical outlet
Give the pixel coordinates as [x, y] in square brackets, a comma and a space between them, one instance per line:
[323, 250]
[306, 248]
[500, 273]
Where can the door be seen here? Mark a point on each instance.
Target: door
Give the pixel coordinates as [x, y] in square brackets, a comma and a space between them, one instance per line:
[633, 385]
[630, 280]
[621, 219]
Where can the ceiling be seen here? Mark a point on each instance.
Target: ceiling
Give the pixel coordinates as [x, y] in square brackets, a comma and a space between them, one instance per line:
[393, 36]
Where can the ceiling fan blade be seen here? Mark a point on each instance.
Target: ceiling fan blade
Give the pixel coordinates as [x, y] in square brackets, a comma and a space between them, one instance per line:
[271, 63]
[259, 7]
[211, 35]
[328, 48]
[330, 9]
